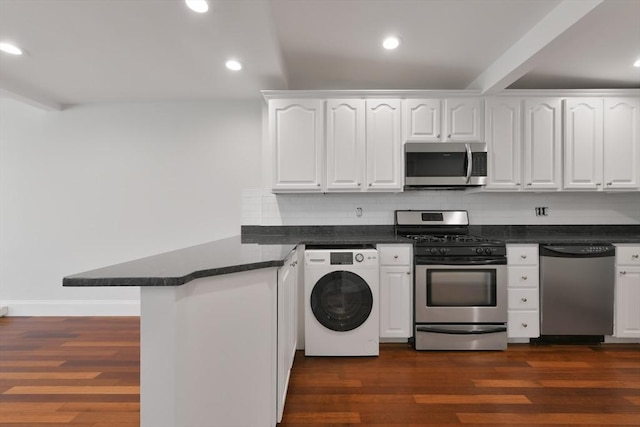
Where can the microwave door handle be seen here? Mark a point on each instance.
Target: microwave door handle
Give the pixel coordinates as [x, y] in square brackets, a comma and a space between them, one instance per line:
[469, 162]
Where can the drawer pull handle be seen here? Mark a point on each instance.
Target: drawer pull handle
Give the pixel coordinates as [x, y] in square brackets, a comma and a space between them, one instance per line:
[623, 272]
[408, 273]
[524, 277]
[524, 325]
[524, 299]
[395, 256]
[523, 256]
[635, 256]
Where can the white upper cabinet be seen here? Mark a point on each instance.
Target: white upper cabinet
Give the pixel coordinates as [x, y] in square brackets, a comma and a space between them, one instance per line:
[422, 120]
[583, 143]
[524, 143]
[602, 143]
[503, 134]
[296, 130]
[443, 120]
[621, 143]
[345, 144]
[463, 119]
[383, 145]
[542, 149]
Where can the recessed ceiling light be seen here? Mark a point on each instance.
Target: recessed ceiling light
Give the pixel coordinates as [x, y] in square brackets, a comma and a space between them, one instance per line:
[10, 48]
[200, 6]
[391, 43]
[637, 63]
[234, 65]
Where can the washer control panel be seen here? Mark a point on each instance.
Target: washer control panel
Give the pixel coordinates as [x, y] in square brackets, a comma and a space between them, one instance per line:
[367, 257]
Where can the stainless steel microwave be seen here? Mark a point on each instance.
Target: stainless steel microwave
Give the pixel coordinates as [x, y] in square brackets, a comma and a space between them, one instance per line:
[445, 164]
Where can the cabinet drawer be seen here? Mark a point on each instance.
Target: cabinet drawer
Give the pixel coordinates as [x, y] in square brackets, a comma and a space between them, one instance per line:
[523, 299]
[522, 254]
[394, 255]
[628, 255]
[523, 324]
[523, 277]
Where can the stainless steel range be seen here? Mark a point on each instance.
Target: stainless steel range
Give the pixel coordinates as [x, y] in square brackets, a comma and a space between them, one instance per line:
[460, 289]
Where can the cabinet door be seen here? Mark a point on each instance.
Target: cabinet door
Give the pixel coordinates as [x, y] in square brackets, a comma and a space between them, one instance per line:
[523, 324]
[627, 324]
[296, 129]
[503, 143]
[287, 327]
[621, 143]
[345, 144]
[422, 120]
[395, 302]
[464, 119]
[542, 154]
[384, 159]
[583, 143]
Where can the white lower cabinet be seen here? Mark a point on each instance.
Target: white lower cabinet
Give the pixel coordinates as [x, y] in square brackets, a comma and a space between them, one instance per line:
[627, 292]
[396, 284]
[524, 291]
[287, 326]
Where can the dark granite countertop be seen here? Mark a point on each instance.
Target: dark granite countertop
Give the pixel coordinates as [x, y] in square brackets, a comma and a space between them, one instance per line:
[563, 234]
[266, 246]
[181, 266]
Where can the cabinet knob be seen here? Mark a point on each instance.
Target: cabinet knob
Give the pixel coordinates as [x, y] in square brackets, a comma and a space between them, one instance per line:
[395, 256]
[529, 184]
[523, 256]
[438, 136]
[524, 277]
[623, 272]
[318, 185]
[597, 184]
[517, 183]
[370, 184]
[359, 184]
[449, 136]
[635, 256]
[524, 325]
[524, 299]
[408, 273]
[609, 183]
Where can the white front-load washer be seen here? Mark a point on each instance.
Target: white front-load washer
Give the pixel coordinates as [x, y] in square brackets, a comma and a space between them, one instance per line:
[341, 302]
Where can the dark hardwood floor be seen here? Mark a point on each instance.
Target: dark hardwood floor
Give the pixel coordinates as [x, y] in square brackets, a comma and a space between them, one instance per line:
[84, 372]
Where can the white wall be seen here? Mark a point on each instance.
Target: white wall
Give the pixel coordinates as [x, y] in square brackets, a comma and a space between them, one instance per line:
[261, 207]
[96, 185]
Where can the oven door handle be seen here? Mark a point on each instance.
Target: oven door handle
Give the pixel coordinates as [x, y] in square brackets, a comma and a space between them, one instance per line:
[475, 331]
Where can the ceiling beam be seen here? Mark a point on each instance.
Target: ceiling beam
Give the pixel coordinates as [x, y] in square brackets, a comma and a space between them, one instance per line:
[19, 93]
[519, 58]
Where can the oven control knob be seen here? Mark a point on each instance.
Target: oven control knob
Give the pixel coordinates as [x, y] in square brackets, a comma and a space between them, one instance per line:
[487, 251]
[443, 251]
[433, 251]
[359, 257]
[479, 251]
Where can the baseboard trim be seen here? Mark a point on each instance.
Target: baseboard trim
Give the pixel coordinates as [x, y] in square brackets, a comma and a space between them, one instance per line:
[18, 308]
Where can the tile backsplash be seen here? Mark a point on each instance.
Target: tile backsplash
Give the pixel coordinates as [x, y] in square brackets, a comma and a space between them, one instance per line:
[261, 207]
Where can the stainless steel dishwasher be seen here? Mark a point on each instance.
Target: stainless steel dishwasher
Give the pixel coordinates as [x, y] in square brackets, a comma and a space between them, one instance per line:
[576, 290]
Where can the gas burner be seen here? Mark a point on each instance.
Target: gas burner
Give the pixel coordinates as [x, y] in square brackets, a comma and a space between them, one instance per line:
[445, 234]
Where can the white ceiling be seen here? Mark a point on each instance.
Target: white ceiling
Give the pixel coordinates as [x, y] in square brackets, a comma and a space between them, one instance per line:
[86, 51]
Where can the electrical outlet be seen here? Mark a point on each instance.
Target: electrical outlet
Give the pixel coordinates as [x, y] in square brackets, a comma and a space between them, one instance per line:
[542, 211]
[358, 211]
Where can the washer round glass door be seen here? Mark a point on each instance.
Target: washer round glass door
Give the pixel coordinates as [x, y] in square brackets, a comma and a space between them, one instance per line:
[341, 301]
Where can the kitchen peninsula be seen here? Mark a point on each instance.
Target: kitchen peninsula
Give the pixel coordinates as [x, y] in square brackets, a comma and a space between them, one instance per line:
[214, 335]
